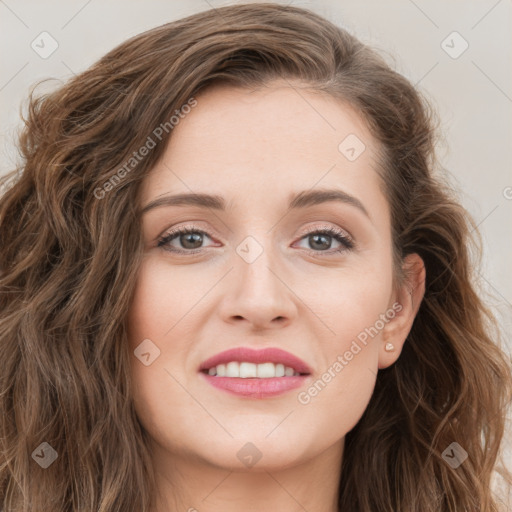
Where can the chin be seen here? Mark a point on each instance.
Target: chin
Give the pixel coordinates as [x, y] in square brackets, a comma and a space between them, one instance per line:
[257, 450]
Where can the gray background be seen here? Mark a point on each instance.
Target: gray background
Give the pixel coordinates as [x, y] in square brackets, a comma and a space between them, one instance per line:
[471, 92]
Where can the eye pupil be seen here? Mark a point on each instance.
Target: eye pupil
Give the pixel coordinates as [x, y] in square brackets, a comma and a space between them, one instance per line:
[193, 238]
[316, 238]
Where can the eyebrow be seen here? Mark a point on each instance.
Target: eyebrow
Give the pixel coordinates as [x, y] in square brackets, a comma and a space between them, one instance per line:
[297, 201]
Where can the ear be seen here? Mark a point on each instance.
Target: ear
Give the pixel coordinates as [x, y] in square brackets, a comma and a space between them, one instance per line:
[407, 300]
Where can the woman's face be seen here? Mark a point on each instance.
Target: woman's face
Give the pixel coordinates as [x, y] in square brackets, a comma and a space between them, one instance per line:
[259, 273]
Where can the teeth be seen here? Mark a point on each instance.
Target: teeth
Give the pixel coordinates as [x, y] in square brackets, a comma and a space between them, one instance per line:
[266, 370]
[279, 370]
[245, 370]
[233, 369]
[248, 370]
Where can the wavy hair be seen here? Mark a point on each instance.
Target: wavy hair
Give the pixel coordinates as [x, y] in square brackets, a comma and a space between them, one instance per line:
[70, 252]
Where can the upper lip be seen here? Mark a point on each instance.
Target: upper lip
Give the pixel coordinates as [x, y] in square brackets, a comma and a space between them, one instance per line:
[266, 355]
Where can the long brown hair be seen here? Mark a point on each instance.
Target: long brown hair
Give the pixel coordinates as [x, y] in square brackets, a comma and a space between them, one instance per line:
[69, 255]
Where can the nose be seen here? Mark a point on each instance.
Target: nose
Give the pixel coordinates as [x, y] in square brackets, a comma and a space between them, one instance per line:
[258, 294]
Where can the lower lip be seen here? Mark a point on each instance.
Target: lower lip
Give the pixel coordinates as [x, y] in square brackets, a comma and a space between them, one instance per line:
[256, 388]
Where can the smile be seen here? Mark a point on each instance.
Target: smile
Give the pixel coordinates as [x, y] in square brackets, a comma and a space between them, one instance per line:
[247, 370]
[255, 373]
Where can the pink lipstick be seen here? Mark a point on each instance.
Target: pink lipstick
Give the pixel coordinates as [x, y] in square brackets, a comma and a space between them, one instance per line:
[255, 373]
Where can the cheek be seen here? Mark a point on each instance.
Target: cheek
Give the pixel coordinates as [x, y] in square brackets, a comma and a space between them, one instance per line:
[351, 302]
[334, 403]
[155, 306]
[149, 317]
[161, 312]
[160, 299]
[354, 310]
[338, 396]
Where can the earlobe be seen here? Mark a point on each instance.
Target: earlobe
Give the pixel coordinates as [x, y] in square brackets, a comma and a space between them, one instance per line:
[409, 296]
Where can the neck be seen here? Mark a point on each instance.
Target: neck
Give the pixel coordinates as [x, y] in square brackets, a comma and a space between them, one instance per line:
[191, 484]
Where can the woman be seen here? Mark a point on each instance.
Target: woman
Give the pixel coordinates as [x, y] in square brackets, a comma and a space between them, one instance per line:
[232, 280]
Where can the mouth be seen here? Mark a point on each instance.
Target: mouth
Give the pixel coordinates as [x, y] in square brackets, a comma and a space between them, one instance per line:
[255, 373]
[246, 370]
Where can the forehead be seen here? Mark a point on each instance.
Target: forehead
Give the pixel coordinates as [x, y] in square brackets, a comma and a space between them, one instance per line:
[283, 137]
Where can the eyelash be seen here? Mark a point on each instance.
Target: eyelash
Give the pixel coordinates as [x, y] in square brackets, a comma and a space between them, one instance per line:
[347, 243]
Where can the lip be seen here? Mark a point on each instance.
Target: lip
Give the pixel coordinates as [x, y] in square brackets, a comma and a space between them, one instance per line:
[249, 355]
[256, 388]
[253, 387]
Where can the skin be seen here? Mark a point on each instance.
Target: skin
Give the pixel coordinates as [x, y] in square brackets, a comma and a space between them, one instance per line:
[256, 148]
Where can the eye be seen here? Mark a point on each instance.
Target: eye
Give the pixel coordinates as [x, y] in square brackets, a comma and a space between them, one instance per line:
[189, 238]
[321, 239]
